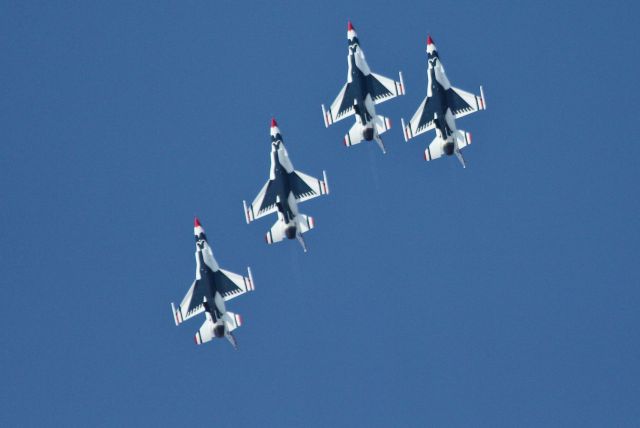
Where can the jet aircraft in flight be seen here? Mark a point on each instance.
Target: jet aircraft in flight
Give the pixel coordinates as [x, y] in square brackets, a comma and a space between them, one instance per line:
[283, 191]
[442, 105]
[209, 292]
[363, 90]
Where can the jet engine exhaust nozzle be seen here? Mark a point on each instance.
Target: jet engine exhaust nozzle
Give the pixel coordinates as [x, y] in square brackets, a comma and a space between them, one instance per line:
[218, 331]
[367, 134]
[448, 149]
[290, 232]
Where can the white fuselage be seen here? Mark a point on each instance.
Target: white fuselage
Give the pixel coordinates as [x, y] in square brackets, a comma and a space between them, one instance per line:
[281, 167]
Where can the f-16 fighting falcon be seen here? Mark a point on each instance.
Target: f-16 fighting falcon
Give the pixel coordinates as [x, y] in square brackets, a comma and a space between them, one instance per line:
[359, 96]
[209, 292]
[282, 192]
[442, 105]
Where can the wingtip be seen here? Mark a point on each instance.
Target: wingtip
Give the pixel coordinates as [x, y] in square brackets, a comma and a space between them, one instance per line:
[273, 122]
[196, 222]
[350, 26]
[429, 40]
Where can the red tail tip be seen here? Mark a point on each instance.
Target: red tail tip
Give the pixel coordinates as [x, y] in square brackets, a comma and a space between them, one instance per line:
[350, 26]
[196, 222]
[273, 122]
[429, 40]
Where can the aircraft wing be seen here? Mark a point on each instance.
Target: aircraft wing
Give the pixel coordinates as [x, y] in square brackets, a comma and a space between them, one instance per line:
[232, 285]
[341, 107]
[463, 103]
[306, 187]
[383, 89]
[421, 122]
[191, 304]
[264, 204]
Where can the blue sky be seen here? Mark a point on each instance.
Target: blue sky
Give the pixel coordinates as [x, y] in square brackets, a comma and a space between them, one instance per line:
[505, 294]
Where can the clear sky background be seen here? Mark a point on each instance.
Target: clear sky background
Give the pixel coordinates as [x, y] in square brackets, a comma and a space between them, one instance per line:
[505, 294]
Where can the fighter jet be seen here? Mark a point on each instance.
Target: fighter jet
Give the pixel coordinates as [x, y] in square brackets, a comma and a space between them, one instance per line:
[209, 292]
[359, 96]
[282, 192]
[442, 105]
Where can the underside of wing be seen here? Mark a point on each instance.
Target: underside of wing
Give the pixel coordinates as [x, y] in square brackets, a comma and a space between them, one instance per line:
[463, 103]
[231, 284]
[422, 120]
[383, 89]
[305, 187]
[341, 107]
[191, 304]
[264, 204]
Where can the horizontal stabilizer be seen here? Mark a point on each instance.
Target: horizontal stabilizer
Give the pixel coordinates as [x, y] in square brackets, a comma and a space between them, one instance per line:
[276, 233]
[206, 332]
[306, 223]
[383, 124]
[463, 139]
[435, 149]
[210, 330]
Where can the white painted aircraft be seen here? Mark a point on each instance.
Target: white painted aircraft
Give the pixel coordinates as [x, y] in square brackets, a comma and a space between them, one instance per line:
[283, 191]
[209, 292]
[442, 105]
[363, 90]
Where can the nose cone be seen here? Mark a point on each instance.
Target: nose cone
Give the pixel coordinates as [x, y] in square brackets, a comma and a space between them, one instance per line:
[275, 131]
[351, 31]
[431, 47]
[198, 230]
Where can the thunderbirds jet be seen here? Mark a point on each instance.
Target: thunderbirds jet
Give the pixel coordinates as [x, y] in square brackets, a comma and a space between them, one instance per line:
[442, 105]
[282, 192]
[208, 293]
[359, 95]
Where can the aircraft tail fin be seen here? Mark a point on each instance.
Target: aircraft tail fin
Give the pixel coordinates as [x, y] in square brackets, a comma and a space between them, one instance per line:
[210, 330]
[357, 132]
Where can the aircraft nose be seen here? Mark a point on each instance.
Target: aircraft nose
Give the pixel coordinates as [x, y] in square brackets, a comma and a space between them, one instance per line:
[431, 46]
[198, 230]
